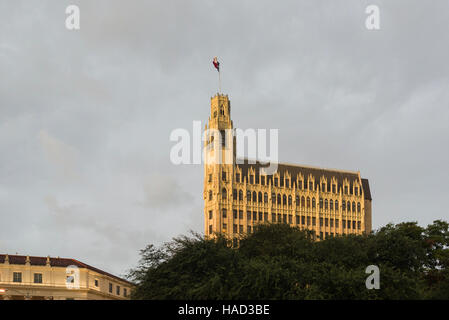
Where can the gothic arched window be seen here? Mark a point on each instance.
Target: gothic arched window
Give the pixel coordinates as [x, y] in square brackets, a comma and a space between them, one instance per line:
[240, 195]
[289, 200]
[248, 195]
[358, 207]
[313, 203]
[260, 196]
[265, 197]
[279, 198]
[223, 193]
[284, 199]
[254, 196]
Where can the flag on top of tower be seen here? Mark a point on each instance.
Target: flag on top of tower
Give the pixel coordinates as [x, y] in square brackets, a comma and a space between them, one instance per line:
[216, 64]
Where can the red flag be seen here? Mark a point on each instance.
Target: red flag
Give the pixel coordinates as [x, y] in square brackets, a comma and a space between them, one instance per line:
[216, 64]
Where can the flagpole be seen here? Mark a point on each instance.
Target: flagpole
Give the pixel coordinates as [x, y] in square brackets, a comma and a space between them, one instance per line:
[219, 81]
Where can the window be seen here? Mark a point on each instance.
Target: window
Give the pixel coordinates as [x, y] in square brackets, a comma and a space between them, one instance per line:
[308, 221]
[321, 222]
[262, 180]
[325, 204]
[211, 214]
[336, 204]
[346, 189]
[289, 200]
[110, 287]
[234, 194]
[234, 228]
[260, 216]
[240, 228]
[260, 197]
[224, 213]
[223, 138]
[125, 292]
[353, 224]
[336, 223]
[303, 202]
[300, 184]
[349, 206]
[308, 202]
[290, 219]
[235, 214]
[240, 195]
[279, 199]
[284, 199]
[251, 179]
[248, 215]
[331, 204]
[358, 207]
[265, 197]
[349, 224]
[248, 195]
[223, 176]
[326, 222]
[297, 219]
[356, 190]
[343, 223]
[334, 188]
[225, 227]
[331, 223]
[287, 183]
[237, 177]
[254, 215]
[323, 187]
[273, 198]
[273, 217]
[210, 229]
[223, 193]
[303, 220]
[313, 221]
[17, 277]
[343, 206]
[38, 278]
[313, 203]
[310, 185]
[284, 218]
[279, 217]
[358, 225]
[96, 283]
[257, 179]
[117, 290]
[254, 196]
[321, 203]
[241, 214]
[275, 182]
[210, 195]
[265, 216]
[248, 229]
[305, 184]
[210, 178]
[353, 206]
[297, 201]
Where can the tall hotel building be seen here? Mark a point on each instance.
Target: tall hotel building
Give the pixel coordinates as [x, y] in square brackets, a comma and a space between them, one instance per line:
[239, 196]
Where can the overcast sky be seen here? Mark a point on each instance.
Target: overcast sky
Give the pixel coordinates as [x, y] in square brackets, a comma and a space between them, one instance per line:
[85, 116]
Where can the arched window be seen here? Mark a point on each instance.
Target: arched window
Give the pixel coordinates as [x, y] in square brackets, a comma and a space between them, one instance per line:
[284, 200]
[265, 197]
[297, 201]
[254, 196]
[358, 207]
[321, 203]
[289, 200]
[308, 202]
[313, 203]
[325, 204]
[234, 194]
[210, 194]
[273, 197]
[331, 204]
[303, 202]
[353, 206]
[224, 193]
[343, 206]
[349, 206]
[279, 198]
[240, 195]
[336, 205]
[248, 195]
[260, 196]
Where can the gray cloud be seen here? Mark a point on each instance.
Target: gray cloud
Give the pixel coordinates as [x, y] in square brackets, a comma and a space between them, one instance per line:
[99, 105]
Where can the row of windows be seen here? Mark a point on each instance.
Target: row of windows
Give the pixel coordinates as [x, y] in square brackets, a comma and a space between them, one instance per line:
[325, 187]
[284, 200]
[300, 220]
[17, 277]
[263, 216]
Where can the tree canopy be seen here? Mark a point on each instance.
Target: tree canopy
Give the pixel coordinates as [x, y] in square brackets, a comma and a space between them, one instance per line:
[278, 261]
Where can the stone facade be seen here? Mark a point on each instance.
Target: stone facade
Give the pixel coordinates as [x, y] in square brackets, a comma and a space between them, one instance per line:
[238, 195]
